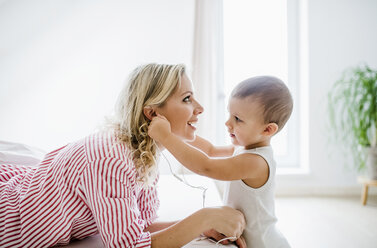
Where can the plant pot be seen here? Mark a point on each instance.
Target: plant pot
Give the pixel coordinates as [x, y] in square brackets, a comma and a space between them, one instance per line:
[371, 163]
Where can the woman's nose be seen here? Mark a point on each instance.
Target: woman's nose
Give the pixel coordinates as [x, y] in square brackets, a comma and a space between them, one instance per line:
[198, 108]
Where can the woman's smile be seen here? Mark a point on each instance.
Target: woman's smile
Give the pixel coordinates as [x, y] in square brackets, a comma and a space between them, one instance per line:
[193, 124]
[182, 110]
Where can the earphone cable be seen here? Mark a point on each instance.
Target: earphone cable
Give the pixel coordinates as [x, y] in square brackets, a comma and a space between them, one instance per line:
[185, 181]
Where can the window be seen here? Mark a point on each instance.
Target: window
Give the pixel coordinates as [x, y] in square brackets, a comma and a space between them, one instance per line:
[260, 38]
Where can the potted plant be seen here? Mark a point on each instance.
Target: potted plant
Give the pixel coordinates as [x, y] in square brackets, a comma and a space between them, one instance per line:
[353, 116]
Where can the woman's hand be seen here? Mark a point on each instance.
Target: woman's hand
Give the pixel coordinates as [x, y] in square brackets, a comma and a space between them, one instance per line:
[159, 128]
[227, 221]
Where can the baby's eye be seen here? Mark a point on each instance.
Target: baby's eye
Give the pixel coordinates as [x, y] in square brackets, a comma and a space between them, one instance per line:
[237, 119]
[187, 99]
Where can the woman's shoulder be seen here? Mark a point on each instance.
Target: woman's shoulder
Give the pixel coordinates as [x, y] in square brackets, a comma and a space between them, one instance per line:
[104, 144]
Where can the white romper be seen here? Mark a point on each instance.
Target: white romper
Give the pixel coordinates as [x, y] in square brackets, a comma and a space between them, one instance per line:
[257, 204]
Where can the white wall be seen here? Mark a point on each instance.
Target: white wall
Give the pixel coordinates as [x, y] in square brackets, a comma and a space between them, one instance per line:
[340, 34]
[52, 53]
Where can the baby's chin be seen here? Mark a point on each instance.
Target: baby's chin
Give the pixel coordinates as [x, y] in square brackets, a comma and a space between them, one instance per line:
[234, 142]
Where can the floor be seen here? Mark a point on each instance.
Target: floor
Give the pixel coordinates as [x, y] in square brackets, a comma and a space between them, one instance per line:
[314, 222]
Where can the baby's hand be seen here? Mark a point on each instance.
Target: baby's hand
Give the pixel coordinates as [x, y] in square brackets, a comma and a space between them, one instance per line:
[159, 128]
[212, 233]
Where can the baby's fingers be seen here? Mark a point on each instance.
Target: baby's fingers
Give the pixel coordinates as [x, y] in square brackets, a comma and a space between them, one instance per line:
[216, 236]
[241, 243]
[161, 116]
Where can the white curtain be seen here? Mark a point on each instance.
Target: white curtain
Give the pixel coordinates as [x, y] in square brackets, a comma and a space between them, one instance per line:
[207, 68]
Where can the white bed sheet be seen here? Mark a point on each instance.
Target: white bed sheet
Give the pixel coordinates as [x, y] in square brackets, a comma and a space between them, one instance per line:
[20, 154]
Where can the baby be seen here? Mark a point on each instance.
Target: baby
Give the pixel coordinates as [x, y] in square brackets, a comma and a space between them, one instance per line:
[259, 108]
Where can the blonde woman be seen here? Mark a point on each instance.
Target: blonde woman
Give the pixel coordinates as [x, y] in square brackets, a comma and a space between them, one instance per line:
[105, 183]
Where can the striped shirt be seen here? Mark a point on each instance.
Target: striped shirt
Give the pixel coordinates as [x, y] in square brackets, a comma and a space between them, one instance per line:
[86, 187]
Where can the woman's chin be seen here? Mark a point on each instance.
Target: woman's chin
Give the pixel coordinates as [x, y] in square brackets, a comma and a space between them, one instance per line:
[189, 137]
[186, 135]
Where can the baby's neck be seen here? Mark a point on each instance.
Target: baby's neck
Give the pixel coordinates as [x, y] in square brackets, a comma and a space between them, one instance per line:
[258, 144]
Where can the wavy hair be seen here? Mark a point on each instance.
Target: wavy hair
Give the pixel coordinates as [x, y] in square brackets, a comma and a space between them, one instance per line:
[148, 85]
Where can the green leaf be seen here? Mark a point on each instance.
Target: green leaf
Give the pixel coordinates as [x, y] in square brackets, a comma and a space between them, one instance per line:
[352, 108]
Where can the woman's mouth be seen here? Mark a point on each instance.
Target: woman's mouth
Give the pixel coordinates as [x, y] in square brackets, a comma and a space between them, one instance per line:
[192, 124]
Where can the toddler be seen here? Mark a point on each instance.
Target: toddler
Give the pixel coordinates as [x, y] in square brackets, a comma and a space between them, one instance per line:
[259, 107]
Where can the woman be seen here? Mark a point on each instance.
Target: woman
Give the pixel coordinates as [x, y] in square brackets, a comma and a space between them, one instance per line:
[106, 182]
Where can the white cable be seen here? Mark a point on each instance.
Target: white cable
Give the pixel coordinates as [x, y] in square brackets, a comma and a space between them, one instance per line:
[218, 243]
[221, 240]
[184, 180]
[197, 242]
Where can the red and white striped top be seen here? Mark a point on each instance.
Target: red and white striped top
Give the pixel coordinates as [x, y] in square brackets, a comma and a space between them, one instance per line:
[78, 190]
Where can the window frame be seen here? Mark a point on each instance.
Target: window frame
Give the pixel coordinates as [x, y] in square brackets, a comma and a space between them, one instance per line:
[292, 163]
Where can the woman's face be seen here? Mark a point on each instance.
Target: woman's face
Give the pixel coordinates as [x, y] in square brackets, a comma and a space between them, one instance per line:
[182, 110]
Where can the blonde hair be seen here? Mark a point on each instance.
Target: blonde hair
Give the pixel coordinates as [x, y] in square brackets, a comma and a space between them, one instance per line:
[272, 94]
[148, 85]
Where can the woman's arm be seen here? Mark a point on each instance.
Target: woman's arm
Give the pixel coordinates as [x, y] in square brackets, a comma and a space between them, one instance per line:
[211, 150]
[159, 225]
[225, 220]
[115, 209]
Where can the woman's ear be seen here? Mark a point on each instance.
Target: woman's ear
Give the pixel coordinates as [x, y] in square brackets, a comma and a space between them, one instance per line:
[149, 112]
[271, 129]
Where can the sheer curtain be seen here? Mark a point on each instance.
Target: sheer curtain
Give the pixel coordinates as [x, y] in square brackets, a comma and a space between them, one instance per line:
[207, 67]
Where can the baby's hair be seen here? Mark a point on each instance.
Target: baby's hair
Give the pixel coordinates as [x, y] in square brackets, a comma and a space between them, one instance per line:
[271, 93]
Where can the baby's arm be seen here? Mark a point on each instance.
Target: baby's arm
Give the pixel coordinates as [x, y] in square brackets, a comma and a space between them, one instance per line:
[244, 166]
[211, 150]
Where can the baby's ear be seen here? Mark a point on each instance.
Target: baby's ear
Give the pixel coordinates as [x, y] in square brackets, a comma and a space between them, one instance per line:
[149, 112]
[271, 129]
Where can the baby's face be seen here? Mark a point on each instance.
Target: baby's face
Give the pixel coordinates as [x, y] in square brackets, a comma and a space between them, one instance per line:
[245, 124]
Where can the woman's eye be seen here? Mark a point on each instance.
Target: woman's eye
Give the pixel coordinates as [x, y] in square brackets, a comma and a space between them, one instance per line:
[237, 119]
[187, 99]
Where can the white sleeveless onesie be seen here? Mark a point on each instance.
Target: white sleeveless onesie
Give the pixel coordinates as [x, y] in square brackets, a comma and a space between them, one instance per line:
[257, 205]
